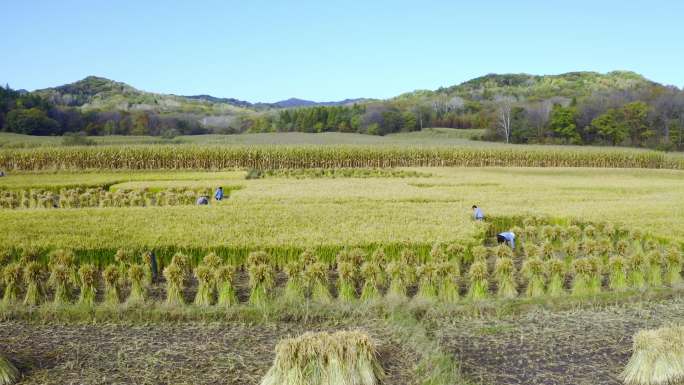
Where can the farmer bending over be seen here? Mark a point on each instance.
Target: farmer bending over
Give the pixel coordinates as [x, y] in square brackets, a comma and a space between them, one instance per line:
[507, 237]
[478, 215]
[219, 194]
[203, 201]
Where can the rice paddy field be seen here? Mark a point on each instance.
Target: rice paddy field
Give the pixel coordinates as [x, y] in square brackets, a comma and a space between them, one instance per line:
[351, 265]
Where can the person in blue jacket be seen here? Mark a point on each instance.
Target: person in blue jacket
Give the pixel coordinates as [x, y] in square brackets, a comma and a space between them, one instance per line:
[478, 215]
[219, 194]
[507, 237]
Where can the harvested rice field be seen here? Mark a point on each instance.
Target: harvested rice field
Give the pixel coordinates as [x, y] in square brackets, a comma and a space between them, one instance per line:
[583, 346]
[233, 353]
[118, 276]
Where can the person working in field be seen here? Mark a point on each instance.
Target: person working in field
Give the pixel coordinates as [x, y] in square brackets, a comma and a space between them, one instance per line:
[478, 215]
[219, 194]
[203, 200]
[507, 237]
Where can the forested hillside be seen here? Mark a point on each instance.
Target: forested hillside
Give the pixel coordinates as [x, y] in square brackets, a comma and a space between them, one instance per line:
[618, 108]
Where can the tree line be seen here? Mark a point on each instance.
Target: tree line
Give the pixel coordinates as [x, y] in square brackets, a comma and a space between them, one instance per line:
[643, 117]
[26, 113]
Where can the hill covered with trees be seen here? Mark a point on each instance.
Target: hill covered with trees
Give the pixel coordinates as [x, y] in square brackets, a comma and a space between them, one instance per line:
[617, 108]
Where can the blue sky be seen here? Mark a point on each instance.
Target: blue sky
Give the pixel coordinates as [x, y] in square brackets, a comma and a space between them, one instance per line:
[271, 50]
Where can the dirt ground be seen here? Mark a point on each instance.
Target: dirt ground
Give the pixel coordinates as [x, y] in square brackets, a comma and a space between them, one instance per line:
[579, 347]
[188, 353]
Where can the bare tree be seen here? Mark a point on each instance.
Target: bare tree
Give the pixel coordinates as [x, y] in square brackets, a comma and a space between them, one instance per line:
[505, 104]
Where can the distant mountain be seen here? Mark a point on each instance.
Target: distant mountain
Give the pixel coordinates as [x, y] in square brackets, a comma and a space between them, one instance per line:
[526, 86]
[294, 103]
[97, 93]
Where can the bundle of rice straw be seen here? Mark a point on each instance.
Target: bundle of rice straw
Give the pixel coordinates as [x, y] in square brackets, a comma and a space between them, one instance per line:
[344, 358]
[8, 373]
[657, 358]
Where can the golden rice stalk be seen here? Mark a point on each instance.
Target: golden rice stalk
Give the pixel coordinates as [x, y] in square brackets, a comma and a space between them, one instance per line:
[621, 247]
[60, 276]
[617, 278]
[547, 250]
[531, 250]
[307, 257]
[504, 274]
[88, 276]
[258, 258]
[581, 269]
[371, 274]
[427, 289]
[380, 258]
[206, 288]
[455, 251]
[570, 248]
[182, 261]
[354, 256]
[556, 270]
[503, 251]
[8, 372]
[11, 275]
[261, 281]
[345, 357]
[574, 232]
[596, 274]
[446, 274]
[33, 276]
[316, 277]
[62, 257]
[408, 257]
[590, 231]
[673, 266]
[657, 357]
[5, 256]
[397, 276]
[123, 257]
[654, 261]
[346, 282]
[479, 253]
[28, 255]
[294, 288]
[437, 253]
[479, 286]
[226, 293]
[175, 278]
[212, 261]
[637, 267]
[534, 271]
[110, 276]
[138, 294]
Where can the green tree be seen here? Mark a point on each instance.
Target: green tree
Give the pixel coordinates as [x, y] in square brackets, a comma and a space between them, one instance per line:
[610, 126]
[31, 121]
[635, 117]
[562, 123]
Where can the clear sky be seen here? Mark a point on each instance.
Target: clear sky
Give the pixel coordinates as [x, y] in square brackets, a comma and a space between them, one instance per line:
[329, 50]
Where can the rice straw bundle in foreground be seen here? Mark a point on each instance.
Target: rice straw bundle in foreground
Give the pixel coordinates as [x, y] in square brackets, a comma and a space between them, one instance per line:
[657, 358]
[8, 373]
[345, 358]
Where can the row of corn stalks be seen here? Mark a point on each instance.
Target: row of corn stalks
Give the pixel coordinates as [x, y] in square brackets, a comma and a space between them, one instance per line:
[276, 157]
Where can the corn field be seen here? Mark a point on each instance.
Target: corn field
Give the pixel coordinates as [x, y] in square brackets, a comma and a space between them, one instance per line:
[264, 157]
